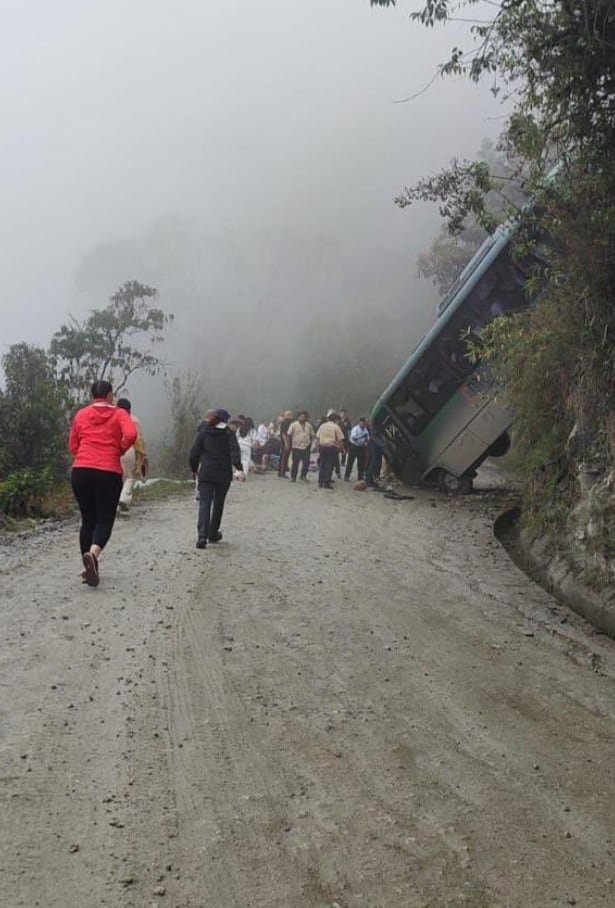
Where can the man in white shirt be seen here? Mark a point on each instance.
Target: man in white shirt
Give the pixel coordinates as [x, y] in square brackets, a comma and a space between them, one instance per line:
[359, 440]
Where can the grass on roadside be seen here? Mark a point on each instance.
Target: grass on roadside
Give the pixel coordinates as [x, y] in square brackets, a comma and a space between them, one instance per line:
[162, 489]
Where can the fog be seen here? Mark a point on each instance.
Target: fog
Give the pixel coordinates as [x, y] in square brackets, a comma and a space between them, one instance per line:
[241, 157]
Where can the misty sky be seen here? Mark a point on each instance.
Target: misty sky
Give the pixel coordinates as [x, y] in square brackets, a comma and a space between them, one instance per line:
[257, 127]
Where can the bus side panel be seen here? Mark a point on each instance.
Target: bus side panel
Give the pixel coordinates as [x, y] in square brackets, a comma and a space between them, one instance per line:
[449, 424]
[473, 442]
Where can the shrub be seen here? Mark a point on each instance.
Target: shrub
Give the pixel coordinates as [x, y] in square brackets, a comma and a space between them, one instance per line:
[23, 493]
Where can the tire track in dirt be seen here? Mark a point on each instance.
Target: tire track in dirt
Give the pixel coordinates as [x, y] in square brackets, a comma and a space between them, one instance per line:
[311, 714]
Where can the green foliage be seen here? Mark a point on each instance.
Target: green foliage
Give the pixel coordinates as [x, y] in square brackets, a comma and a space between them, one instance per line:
[22, 493]
[448, 255]
[163, 489]
[555, 66]
[556, 59]
[470, 211]
[33, 422]
[105, 345]
[461, 191]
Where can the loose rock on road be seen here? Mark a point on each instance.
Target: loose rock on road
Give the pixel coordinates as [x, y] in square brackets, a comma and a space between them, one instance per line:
[349, 703]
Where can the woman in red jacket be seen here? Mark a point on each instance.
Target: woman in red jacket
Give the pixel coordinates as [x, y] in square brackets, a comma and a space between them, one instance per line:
[99, 435]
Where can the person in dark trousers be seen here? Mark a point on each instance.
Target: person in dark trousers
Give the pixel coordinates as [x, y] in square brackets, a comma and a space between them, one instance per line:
[374, 466]
[357, 449]
[285, 424]
[301, 435]
[345, 425]
[99, 435]
[330, 441]
[214, 454]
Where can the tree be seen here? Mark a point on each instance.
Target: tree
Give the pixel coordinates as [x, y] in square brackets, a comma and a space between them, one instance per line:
[187, 408]
[469, 219]
[105, 345]
[554, 63]
[33, 422]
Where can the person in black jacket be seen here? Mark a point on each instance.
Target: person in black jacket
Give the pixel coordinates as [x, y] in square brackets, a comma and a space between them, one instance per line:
[213, 456]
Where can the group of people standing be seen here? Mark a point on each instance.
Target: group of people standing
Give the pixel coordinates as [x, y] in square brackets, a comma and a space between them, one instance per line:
[341, 445]
[109, 455]
[290, 445]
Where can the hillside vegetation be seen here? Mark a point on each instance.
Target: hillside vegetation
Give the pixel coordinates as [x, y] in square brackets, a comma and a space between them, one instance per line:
[554, 66]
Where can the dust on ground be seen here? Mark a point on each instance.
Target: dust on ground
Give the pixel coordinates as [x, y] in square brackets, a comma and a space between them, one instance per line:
[350, 702]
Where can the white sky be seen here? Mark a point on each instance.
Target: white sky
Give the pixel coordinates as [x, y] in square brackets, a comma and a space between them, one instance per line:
[250, 119]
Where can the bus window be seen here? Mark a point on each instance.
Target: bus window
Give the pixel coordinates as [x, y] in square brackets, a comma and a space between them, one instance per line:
[434, 381]
[453, 348]
[407, 408]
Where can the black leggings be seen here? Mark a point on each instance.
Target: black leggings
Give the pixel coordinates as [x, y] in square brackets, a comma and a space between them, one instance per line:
[97, 493]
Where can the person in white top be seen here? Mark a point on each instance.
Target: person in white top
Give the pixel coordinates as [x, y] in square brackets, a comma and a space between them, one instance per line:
[357, 449]
[260, 457]
[134, 461]
[246, 436]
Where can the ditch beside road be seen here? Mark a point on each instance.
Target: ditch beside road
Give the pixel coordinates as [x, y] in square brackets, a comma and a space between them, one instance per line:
[350, 702]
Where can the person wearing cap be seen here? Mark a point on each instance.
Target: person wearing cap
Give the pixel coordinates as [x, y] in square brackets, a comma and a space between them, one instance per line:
[330, 442]
[213, 456]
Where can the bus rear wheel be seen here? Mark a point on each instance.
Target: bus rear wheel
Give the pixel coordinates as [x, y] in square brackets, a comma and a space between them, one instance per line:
[454, 485]
[500, 446]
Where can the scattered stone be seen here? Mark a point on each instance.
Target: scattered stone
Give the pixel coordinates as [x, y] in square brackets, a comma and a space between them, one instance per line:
[74, 848]
[159, 890]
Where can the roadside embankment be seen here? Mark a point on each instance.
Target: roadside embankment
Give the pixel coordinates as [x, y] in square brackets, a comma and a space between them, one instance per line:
[540, 558]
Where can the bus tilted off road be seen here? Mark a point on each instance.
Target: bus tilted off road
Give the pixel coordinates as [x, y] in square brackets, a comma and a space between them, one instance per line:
[439, 419]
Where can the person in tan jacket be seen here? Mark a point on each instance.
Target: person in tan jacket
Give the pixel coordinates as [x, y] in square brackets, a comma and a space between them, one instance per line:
[134, 461]
[300, 435]
[330, 443]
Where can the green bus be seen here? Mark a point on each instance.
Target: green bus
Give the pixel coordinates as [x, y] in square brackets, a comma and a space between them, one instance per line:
[439, 418]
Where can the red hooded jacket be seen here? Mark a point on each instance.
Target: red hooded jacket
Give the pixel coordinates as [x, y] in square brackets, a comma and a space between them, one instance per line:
[99, 435]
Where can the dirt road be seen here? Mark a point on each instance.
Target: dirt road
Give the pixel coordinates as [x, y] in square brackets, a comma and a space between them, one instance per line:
[349, 703]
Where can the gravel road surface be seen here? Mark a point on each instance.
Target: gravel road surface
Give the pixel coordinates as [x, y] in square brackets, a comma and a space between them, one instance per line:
[350, 702]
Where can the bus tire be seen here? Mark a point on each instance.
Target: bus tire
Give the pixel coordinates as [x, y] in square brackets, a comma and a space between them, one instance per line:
[500, 446]
[454, 485]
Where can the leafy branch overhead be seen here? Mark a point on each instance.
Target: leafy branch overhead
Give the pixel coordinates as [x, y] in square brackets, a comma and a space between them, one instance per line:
[461, 191]
[112, 343]
[554, 64]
